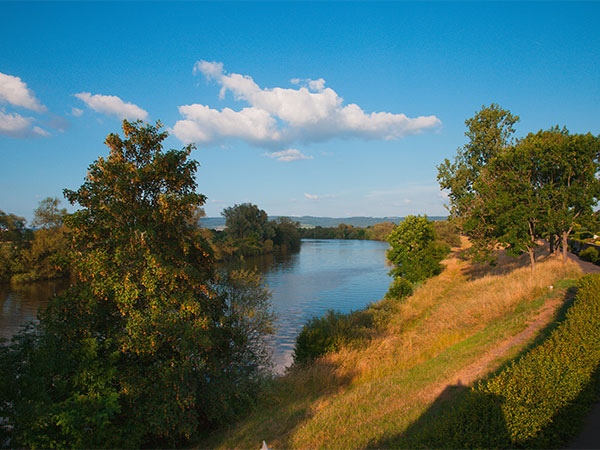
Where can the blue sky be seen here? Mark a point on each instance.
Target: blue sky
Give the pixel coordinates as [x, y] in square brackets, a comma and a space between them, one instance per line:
[330, 109]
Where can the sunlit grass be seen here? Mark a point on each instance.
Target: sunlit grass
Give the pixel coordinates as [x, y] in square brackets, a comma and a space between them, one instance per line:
[454, 329]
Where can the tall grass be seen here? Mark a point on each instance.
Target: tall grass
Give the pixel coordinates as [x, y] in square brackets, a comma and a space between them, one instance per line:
[442, 335]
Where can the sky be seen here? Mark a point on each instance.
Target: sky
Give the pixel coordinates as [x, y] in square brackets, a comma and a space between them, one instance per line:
[325, 109]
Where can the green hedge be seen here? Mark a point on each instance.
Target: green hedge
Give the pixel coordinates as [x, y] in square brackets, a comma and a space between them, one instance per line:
[538, 401]
[589, 254]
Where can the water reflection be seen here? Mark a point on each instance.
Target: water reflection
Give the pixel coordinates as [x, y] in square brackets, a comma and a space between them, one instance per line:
[325, 274]
[20, 303]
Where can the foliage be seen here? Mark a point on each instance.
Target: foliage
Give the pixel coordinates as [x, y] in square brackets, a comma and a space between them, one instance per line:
[249, 232]
[377, 232]
[48, 214]
[45, 257]
[287, 235]
[12, 228]
[399, 288]
[373, 392]
[414, 250]
[247, 221]
[489, 132]
[589, 254]
[515, 194]
[148, 346]
[446, 232]
[46, 254]
[320, 335]
[380, 231]
[328, 333]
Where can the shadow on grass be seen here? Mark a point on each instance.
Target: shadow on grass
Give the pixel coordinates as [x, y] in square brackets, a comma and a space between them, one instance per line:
[502, 264]
[285, 403]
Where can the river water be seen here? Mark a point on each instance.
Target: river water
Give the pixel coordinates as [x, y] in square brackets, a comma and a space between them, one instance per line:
[327, 274]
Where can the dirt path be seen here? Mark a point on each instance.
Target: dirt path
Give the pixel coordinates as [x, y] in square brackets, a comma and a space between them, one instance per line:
[586, 266]
[590, 433]
[470, 374]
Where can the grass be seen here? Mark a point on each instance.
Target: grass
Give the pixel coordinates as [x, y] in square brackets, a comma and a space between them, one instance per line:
[455, 329]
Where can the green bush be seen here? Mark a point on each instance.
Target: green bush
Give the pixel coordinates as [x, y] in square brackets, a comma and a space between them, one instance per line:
[321, 335]
[328, 333]
[400, 288]
[589, 254]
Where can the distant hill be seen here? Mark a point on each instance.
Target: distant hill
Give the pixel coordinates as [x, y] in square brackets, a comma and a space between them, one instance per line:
[311, 221]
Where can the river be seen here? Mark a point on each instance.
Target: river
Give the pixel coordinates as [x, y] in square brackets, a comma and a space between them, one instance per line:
[327, 274]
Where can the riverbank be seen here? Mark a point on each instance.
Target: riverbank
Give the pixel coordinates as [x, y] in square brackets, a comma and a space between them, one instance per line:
[456, 329]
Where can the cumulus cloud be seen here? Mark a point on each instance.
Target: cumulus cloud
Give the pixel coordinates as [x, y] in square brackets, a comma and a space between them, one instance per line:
[14, 91]
[279, 116]
[112, 105]
[76, 112]
[289, 155]
[311, 196]
[16, 126]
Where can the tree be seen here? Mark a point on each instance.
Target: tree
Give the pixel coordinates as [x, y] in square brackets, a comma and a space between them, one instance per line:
[248, 229]
[247, 221]
[510, 190]
[12, 228]
[414, 251]
[14, 236]
[48, 214]
[489, 132]
[569, 172]
[46, 255]
[287, 236]
[141, 349]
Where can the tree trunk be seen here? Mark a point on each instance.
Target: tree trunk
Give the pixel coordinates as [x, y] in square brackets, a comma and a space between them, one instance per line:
[564, 245]
[551, 242]
[531, 258]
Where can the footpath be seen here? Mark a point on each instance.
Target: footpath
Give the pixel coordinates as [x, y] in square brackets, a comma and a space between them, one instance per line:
[590, 433]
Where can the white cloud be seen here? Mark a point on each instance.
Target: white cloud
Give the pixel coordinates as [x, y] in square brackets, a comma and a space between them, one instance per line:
[317, 197]
[76, 112]
[112, 105]
[17, 126]
[277, 116]
[289, 155]
[14, 91]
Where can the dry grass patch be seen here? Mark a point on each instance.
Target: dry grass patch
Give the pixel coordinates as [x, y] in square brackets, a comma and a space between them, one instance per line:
[355, 397]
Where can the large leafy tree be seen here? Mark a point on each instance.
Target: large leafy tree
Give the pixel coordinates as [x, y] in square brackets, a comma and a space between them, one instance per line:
[489, 133]
[148, 346]
[569, 169]
[510, 192]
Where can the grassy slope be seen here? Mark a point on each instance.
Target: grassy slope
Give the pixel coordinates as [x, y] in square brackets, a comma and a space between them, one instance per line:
[454, 329]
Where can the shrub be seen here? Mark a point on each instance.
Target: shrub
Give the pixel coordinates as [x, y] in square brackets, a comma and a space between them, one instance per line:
[400, 288]
[321, 335]
[589, 254]
[328, 333]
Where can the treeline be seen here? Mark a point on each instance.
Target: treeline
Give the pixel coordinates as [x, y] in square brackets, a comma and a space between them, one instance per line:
[514, 193]
[32, 254]
[42, 251]
[249, 232]
[377, 232]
